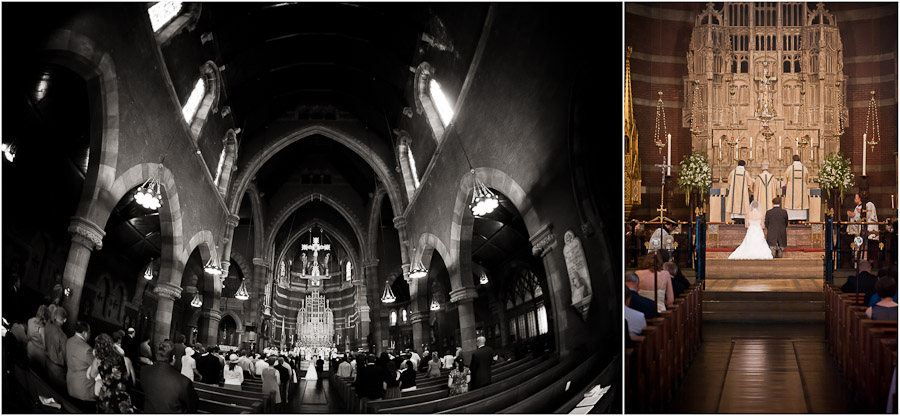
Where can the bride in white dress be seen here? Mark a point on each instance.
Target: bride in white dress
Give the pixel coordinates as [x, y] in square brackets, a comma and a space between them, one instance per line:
[754, 246]
[311, 373]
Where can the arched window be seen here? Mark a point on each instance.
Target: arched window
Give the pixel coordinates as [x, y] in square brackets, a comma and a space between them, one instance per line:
[432, 100]
[204, 97]
[226, 162]
[407, 164]
[403, 315]
[349, 271]
[168, 18]
[393, 318]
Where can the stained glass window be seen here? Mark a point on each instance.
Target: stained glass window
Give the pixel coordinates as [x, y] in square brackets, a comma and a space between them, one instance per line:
[349, 270]
[193, 102]
[393, 318]
[162, 13]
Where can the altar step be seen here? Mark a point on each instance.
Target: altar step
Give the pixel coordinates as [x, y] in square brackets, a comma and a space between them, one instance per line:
[791, 253]
[784, 268]
[764, 307]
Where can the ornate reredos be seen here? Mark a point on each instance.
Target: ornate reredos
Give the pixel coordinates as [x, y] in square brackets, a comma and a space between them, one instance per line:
[730, 51]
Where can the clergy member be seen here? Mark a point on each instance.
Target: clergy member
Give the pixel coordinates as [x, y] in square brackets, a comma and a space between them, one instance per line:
[796, 198]
[764, 188]
[737, 203]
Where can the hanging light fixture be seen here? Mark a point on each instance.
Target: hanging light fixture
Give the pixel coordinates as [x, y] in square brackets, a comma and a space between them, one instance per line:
[212, 268]
[484, 278]
[872, 121]
[418, 270]
[388, 296]
[242, 293]
[434, 303]
[198, 300]
[9, 150]
[148, 194]
[483, 200]
[148, 272]
[660, 131]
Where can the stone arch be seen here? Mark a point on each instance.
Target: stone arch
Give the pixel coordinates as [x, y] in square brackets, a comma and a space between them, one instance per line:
[258, 220]
[237, 320]
[374, 213]
[209, 71]
[424, 104]
[354, 257]
[246, 268]
[426, 246]
[172, 258]
[82, 55]
[306, 197]
[203, 240]
[226, 164]
[332, 131]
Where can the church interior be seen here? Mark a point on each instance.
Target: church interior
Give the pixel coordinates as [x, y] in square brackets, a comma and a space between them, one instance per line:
[770, 125]
[316, 180]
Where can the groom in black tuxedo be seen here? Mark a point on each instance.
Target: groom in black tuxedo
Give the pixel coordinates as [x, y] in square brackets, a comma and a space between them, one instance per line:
[776, 228]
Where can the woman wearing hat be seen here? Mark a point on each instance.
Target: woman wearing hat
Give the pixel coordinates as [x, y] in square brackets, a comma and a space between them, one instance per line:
[234, 374]
[189, 365]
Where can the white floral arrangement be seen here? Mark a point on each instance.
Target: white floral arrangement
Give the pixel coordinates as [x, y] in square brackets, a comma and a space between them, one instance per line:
[695, 173]
[836, 173]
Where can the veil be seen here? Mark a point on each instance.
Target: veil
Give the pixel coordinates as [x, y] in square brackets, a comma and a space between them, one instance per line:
[754, 206]
[754, 211]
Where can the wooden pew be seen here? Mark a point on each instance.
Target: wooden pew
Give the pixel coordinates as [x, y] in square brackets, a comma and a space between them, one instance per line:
[552, 392]
[35, 386]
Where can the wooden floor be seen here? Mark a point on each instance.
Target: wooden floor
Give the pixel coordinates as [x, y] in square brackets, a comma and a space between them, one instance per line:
[747, 368]
[313, 397]
[763, 285]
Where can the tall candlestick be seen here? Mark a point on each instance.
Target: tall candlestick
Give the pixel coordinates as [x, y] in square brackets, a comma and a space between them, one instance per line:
[864, 154]
[669, 160]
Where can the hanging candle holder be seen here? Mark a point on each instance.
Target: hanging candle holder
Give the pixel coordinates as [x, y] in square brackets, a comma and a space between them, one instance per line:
[660, 134]
[697, 111]
[872, 119]
[839, 130]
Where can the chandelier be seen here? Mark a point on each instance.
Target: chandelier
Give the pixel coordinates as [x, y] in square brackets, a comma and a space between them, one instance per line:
[148, 195]
[198, 300]
[483, 200]
[388, 296]
[484, 279]
[9, 150]
[434, 303]
[212, 268]
[241, 293]
[418, 270]
[148, 272]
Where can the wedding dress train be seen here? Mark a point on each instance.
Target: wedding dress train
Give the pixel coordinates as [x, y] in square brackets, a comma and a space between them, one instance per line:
[311, 372]
[754, 246]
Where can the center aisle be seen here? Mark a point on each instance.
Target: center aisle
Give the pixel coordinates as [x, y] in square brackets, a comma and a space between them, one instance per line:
[314, 397]
[762, 368]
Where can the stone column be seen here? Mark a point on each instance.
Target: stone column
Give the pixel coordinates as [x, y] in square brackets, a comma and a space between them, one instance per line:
[166, 295]
[257, 289]
[230, 222]
[86, 237]
[371, 271]
[400, 225]
[464, 298]
[420, 330]
[213, 317]
[543, 242]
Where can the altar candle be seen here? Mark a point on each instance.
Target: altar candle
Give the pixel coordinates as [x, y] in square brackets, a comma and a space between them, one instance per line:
[779, 141]
[669, 160]
[892, 201]
[864, 154]
[751, 143]
[735, 153]
[797, 144]
[810, 154]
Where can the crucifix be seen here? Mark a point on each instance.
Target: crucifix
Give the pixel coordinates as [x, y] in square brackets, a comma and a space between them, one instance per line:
[315, 274]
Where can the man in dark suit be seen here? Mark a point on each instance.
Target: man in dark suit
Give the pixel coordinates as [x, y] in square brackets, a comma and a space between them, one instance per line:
[480, 366]
[209, 367]
[165, 389]
[864, 282]
[79, 358]
[368, 379]
[179, 350]
[638, 302]
[776, 228]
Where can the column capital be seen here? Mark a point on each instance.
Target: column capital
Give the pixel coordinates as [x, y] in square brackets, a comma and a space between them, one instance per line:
[543, 241]
[463, 294]
[399, 222]
[260, 262]
[419, 316]
[369, 264]
[86, 233]
[232, 220]
[167, 290]
[212, 314]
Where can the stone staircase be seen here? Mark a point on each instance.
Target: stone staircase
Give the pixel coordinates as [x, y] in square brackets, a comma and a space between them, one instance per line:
[784, 268]
[764, 307]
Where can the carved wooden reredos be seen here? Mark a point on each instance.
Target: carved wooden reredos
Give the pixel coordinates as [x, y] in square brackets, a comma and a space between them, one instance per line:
[765, 64]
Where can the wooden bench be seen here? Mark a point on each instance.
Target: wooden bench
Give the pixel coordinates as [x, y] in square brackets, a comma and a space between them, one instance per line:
[34, 386]
[554, 391]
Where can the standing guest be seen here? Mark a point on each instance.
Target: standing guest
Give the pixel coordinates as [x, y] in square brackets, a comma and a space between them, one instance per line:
[208, 366]
[260, 365]
[652, 264]
[415, 359]
[109, 367]
[55, 345]
[391, 381]
[246, 364]
[146, 351]
[218, 354]
[284, 376]
[131, 345]
[78, 360]
[35, 331]
[117, 338]
[459, 378]
[480, 364]
[448, 361]
[271, 380]
[344, 368]
[179, 350]
[886, 308]
[408, 377]
[882, 274]
[234, 374]
[434, 366]
[189, 365]
[369, 380]
[165, 390]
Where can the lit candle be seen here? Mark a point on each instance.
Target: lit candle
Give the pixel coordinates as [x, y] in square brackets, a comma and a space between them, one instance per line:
[669, 160]
[864, 154]
[892, 201]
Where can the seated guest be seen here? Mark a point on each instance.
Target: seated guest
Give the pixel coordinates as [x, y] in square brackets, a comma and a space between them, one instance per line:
[638, 302]
[651, 265]
[434, 366]
[864, 282]
[886, 308]
[234, 374]
[344, 368]
[891, 272]
[165, 390]
[635, 319]
[679, 282]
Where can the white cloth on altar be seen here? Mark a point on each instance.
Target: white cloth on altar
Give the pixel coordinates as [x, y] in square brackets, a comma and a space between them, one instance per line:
[311, 373]
[797, 214]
